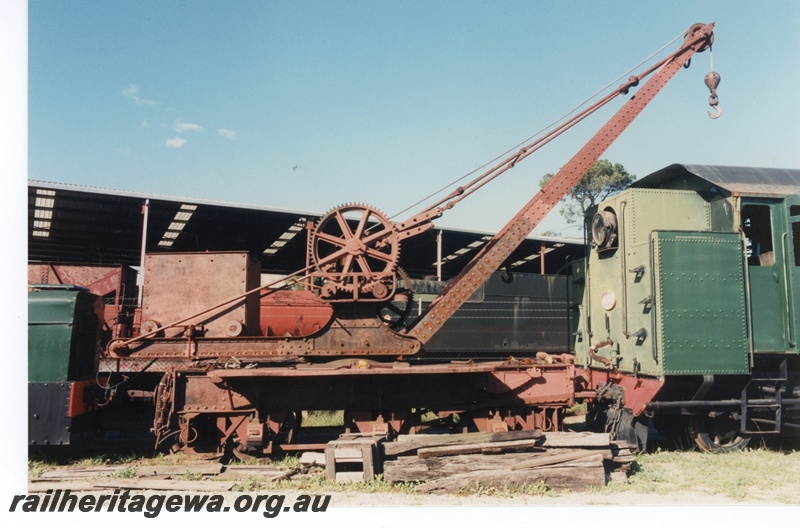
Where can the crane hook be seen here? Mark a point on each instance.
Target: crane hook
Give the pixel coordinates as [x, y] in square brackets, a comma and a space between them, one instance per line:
[712, 79]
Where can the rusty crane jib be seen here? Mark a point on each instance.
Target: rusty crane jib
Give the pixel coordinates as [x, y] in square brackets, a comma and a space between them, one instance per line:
[380, 244]
[356, 269]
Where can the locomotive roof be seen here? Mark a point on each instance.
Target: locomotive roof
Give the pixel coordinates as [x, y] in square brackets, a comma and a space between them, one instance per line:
[739, 181]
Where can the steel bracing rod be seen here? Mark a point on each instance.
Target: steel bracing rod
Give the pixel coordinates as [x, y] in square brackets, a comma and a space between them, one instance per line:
[492, 255]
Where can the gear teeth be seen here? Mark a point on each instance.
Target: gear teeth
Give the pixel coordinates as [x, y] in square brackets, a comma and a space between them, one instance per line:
[341, 279]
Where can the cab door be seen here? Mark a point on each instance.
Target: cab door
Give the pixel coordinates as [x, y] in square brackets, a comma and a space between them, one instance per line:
[764, 223]
[791, 243]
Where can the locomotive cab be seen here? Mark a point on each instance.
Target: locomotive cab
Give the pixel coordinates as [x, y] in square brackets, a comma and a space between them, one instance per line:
[692, 294]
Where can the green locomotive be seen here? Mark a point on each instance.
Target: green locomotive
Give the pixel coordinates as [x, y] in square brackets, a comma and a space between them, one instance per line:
[691, 306]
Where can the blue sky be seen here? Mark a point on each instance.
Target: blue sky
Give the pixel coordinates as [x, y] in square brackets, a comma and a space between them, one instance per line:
[308, 105]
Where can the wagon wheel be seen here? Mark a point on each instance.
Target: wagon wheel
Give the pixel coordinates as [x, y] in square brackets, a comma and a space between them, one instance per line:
[289, 428]
[718, 433]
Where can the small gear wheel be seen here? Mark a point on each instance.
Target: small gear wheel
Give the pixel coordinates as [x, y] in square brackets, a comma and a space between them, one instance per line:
[396, 311]
[355, 249]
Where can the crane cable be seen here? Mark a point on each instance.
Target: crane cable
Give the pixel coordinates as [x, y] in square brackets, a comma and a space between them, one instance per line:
[540, 131]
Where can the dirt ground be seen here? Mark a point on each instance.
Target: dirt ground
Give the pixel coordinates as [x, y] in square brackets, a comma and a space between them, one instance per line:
[607, 498]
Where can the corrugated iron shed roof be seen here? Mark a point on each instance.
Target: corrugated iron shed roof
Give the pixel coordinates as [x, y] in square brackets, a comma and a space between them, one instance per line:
[78, 224]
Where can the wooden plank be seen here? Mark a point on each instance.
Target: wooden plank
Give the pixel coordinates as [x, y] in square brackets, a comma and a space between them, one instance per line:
[571, 439]
[347, 454]
[163, 485]
[514, 445]
[65, 473]
[197, 469]
[71, 485]
[330, 463]
[410, 443]
[415, 469]
[622, 454]
[266, 473]
[81, 473]
[555, 478]
[367, 462]
[553, 460]
[406, 469]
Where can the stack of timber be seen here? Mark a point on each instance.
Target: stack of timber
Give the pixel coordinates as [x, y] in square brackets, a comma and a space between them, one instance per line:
[506, 460]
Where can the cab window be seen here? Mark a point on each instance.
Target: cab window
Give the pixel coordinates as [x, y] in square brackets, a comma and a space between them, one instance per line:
[757, 227]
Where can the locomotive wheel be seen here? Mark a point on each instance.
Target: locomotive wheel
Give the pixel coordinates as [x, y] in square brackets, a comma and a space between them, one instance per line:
[718, 434]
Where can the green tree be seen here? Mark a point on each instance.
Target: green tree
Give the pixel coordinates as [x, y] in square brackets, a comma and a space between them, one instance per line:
[601, 181]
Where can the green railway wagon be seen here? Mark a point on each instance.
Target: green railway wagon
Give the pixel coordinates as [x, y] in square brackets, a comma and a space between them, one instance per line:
[64, 324]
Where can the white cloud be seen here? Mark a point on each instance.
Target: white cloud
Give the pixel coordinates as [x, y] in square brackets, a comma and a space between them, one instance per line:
[132, 93]
[180, 126]
[176, 142]
[226, 133]
[144, 123]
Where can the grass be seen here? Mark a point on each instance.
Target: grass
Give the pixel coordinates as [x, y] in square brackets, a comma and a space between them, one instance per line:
[753, 475]
[535, 488]
[127, 472]
[188, 475]
[318, 484]
[324, 419]
[579, 409]
[37, 467]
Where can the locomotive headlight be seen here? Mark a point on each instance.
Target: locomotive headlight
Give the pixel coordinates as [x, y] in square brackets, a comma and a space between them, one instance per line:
[608, 300]
[604, 229]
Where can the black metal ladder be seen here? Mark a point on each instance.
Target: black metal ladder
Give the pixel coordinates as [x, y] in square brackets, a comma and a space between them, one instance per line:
[760, 405]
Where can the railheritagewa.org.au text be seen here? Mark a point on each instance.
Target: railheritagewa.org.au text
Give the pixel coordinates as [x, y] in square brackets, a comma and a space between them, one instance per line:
[151, 505]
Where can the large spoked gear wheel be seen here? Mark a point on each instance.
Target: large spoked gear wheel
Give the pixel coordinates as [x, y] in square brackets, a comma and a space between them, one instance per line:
[355, 249]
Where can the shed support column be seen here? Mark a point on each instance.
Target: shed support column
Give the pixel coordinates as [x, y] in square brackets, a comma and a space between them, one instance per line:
[439, 255]
[541, 257]
[140, 276]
